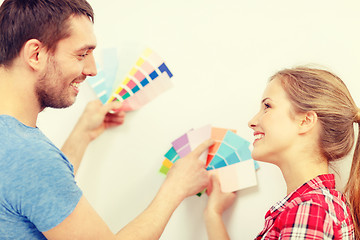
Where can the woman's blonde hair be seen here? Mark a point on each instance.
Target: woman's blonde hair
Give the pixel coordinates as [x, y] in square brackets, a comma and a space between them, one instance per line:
[311, 89]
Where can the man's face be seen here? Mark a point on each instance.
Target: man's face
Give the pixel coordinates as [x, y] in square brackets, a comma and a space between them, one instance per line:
[72, 62]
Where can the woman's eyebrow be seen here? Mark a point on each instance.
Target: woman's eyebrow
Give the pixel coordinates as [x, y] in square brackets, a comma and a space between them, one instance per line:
[265, 99]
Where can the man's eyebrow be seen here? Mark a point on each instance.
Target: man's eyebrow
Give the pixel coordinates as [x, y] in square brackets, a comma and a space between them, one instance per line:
[86, 47]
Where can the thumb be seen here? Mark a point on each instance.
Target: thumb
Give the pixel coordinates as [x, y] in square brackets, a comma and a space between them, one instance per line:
[126, 107]
[122, 106]
[114, 106]
[214, 183]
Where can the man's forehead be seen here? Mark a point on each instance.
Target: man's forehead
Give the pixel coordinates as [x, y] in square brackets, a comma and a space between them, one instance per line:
[82, 34]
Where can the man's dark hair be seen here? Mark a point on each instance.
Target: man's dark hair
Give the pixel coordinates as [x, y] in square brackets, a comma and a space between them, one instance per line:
[45, 20]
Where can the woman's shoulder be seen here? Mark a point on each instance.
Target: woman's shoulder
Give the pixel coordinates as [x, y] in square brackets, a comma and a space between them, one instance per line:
[321, 202]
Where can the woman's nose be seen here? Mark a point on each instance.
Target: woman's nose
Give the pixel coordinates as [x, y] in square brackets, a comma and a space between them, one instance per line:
[253, 122]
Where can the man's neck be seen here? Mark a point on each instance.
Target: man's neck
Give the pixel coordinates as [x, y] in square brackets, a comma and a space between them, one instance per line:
[17, 97]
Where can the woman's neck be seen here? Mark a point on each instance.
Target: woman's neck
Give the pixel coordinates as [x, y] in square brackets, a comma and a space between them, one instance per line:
[300, 171]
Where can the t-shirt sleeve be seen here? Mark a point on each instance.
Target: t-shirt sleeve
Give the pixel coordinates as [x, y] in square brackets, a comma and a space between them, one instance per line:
[45, 191]
[306, 220]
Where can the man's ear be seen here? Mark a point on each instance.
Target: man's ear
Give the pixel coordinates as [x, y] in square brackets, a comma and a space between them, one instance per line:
[307, 122]
[34, 54]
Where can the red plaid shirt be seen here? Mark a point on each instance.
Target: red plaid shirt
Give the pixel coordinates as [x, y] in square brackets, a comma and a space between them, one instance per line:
[314, 211]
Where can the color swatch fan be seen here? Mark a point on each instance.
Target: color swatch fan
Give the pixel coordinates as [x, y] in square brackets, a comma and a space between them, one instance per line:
[148, 78]
[229, 157]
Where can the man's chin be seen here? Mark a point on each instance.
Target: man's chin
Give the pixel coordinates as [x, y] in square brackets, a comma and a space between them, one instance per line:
[59, 105]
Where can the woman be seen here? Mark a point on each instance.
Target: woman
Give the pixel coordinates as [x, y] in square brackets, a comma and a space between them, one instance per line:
[305, 122]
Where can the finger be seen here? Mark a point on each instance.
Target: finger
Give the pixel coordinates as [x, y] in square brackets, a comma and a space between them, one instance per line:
[112, 124]
[114, 119]
[202, 147]
[120, 114]
[117, 121]
[125, 107]
[215, 181]
[93, 104]
[114, 106]
[210, 185]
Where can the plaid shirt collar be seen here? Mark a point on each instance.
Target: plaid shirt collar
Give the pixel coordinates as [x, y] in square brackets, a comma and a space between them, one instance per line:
[321, 181]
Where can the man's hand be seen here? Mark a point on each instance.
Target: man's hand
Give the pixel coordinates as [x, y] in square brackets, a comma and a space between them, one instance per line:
[188, 175]
[186, 178]
[94, 120]
[97, 117]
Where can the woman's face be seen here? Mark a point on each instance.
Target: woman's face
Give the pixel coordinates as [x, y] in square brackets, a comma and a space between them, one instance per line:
[275, 130]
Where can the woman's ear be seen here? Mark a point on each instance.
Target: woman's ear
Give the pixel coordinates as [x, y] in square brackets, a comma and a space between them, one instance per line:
[34, 54]
[307, 122]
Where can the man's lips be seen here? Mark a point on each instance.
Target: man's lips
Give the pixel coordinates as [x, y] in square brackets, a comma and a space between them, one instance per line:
[76, 83]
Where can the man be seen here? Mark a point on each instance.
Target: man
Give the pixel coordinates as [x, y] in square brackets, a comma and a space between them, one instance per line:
[46, 51]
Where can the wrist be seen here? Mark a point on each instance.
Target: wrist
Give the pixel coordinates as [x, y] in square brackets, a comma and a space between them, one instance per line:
[212, 218]
[211, 213]
[81, 133]
[172, 192]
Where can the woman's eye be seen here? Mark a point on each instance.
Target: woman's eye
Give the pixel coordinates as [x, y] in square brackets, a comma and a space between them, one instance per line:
[266, 105]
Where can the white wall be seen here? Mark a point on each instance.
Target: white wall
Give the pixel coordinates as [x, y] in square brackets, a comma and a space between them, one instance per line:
[221, 54]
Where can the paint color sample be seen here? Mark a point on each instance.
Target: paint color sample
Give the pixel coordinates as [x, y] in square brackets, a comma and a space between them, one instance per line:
[164, 170]
[191, 140]
[237, 176]
[163, 68]
[148, 93]
[172, 155]
[217, 134]
[98, 85]
[147, 67]
[167, 163]
[231, 161]
[197, 137]
[139, 76]
[102, 83]
[180, 143]
[233, 149]
[147, 79]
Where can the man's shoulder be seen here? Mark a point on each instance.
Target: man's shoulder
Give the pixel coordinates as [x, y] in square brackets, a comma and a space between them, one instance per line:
[19, 139]
[25, 151]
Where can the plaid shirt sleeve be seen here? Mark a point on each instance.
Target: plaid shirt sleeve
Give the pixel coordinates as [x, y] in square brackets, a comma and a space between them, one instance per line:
[307, 220]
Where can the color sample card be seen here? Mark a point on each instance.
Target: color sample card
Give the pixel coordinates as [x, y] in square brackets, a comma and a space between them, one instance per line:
[102, 83]
[147, 79]
[217, 134]
[190, 140]
[229, 157]
[233, 149]
[236, 176]
[170, 158]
